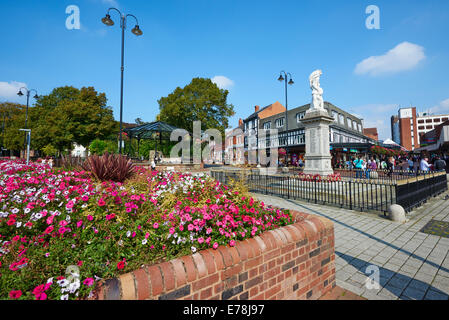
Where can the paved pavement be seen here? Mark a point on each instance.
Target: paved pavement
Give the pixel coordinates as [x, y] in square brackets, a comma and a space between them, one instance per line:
[408, 264]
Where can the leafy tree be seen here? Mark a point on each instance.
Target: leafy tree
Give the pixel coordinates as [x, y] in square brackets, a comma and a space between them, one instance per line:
[99, 147]
[69, 115]
[201, 100]
[12, 117]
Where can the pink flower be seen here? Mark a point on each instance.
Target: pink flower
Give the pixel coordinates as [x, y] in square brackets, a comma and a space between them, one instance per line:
[101, 202]
[156, 225]
[172, 230]
[200, 240]
[88, 282]
[63, 223]
[90, 218]
[15, 294]
[232, 243]
[79, 224]
[49, 230]
[69, 204]
[85, 198]
[215, 246]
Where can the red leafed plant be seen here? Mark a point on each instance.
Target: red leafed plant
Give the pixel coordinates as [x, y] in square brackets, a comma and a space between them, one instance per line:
[110, 167]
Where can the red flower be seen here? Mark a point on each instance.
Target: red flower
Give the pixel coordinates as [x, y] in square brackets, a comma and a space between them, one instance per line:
[121, 264]
[15, 294]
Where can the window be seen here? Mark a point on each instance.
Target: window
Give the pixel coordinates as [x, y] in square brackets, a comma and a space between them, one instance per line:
[421, 128]
[429, 121]
[341, 119]
[420, 121]
[354, 125]
[300, 116]
[445, 119]
[267, 125]
[436, 120]
[359, 127]
[429, 127]
[335, 115]
[349, 123]
[280, 123]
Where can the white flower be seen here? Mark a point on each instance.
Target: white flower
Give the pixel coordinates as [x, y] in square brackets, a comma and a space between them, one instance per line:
[63, 282]
[128, 234]
[193, 249]
[144, 241]
[65, 297]
[18, 224]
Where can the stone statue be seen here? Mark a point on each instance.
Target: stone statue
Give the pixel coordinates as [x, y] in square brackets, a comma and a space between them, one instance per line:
[317, 91]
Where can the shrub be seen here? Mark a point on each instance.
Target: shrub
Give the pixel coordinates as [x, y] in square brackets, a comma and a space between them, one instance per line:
[110, 167]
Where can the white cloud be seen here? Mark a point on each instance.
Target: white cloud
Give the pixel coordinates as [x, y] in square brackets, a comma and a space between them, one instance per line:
[8, 90]
[222, 82]
[441, 108]
[405, 56]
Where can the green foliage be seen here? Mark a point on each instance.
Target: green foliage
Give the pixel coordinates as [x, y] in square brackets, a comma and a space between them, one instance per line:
[69, 115]
[12, 117]
[49, 150]
[99, 147]
[201, 100]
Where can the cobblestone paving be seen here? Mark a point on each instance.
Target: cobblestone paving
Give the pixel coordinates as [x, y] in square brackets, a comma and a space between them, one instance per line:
[412, 264]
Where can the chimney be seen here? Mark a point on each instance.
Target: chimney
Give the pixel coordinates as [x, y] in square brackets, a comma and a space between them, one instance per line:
[256, 108]
[240, 122]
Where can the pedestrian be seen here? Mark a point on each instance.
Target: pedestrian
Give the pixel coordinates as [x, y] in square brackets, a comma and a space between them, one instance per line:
[424, 165]
[153, 165]
[358, 164]
[439, 164]
[390, 166]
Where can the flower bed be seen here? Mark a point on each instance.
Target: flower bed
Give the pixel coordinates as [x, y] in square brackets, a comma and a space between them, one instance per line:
[62, 232]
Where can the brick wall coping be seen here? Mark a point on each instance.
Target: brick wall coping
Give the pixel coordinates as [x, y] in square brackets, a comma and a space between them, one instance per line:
[185, 276]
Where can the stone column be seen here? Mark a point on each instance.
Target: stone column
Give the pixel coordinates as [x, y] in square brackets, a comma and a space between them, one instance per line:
[318, 157]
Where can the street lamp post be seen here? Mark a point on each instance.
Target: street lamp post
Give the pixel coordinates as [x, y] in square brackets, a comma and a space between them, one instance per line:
[136, 30]
[28, 138]
[288, 81]
[28, 93]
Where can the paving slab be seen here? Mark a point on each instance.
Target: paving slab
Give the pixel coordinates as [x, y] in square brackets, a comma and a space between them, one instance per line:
[412, 264]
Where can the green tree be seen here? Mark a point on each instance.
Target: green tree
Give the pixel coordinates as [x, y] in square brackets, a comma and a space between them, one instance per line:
[12, 117]
[69, 115]
[201, 100]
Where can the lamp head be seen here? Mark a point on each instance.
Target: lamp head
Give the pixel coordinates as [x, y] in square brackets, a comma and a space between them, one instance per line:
[291, 82]
[20, 93]
[107, 20]
[281, 78]
[36, 96]
[136, 30]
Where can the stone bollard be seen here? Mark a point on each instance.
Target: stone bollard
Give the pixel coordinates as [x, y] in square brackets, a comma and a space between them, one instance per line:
[396, 213]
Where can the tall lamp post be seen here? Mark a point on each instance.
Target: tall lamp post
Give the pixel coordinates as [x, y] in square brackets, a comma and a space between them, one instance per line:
[28, 93]
[136, 30]
[287, 78]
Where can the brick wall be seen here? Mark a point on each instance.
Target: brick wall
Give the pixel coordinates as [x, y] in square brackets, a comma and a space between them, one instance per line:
[293, 262]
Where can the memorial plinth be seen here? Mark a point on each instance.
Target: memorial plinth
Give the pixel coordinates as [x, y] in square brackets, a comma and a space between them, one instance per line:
[318, 157]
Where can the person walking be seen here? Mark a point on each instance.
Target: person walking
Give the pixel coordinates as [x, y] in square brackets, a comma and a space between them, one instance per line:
[390, 166]
[424, 165]
[358, 164]
[439, 164]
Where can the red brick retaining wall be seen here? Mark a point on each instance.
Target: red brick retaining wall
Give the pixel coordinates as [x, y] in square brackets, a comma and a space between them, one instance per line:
[292, 262]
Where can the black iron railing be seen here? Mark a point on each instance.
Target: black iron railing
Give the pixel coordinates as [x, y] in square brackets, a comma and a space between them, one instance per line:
[363, 195]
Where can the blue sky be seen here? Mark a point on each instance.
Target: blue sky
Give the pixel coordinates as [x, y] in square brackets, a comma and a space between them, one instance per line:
[366, 72]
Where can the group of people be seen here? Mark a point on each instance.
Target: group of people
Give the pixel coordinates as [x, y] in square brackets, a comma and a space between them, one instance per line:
[363, 165]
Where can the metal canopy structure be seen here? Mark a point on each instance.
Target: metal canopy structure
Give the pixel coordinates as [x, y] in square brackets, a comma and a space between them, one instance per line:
[147, 130]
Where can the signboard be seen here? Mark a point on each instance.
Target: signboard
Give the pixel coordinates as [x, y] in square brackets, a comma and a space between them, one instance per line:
[345, 150]
[353, 150]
